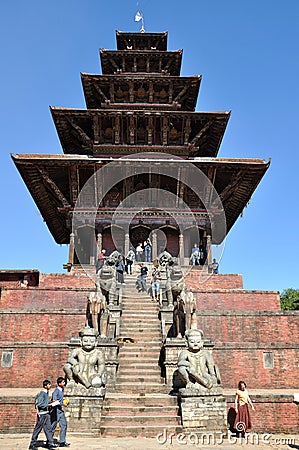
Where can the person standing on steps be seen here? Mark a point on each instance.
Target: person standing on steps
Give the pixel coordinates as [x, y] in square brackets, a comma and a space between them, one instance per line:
[57, 413]
[139, 252]
[130, 258]
[147, 251]
[101, 260]
[141, 278]
[155, 283]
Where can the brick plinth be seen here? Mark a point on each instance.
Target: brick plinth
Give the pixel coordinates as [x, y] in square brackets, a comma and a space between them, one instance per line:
[17, 414]
[197, 280]
[237, 300]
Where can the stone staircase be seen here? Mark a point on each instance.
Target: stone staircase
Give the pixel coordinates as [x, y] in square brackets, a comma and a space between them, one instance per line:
[140, 404]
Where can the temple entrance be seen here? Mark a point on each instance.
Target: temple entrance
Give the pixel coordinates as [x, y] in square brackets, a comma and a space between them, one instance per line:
[113, 239]
[194, 235]
[139, 233]
[85, 245]
[172, 240]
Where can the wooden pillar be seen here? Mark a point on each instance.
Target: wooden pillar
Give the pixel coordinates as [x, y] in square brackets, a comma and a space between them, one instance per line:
[99, 242]
[209, 250]
[71, 249]
[154, 245]
[181, 249]
[127, 243]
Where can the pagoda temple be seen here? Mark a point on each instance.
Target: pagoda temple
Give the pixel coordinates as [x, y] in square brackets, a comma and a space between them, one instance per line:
[140, 162]
[141, 137]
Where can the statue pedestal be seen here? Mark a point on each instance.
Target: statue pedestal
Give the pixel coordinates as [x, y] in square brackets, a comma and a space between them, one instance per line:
[84, 411]
[203, 410]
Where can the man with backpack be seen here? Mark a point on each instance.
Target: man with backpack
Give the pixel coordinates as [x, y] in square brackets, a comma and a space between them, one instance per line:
[43, 421]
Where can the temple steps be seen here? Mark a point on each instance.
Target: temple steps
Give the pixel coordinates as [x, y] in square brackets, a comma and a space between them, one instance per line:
[140, 404]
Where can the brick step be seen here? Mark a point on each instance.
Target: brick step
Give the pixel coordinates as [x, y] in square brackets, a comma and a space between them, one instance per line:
[142, 337]
[154, 348]
[139, 357]
[149, 356]
[125, 410]
[148, 400]
[140, 320]
[139, 431]
[144, 345]
[139, 378]
[141, 308]
[138, 387]
[141, 420]
[130, 366]
[139, 371]
[150, 330]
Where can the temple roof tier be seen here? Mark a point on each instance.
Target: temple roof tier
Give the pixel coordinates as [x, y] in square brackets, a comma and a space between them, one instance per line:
[151, 90]
[141, 61]
[87, 131]
[55, 182]
[141, 41]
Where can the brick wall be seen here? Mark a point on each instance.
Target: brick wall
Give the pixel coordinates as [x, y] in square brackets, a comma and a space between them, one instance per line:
[59, 280]
[237, 300]
[17, 414]
[33, 363]
[247, 364]
[44, 299]
[196, 280]
[19, 326]
[253, 327]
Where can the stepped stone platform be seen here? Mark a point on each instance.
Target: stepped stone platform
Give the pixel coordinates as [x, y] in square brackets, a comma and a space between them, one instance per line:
[255, 341]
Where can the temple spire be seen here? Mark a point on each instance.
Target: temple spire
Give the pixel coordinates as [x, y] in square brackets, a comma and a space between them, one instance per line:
[138, 17]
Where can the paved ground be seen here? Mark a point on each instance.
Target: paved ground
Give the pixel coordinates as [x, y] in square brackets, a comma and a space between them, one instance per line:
[261, 442]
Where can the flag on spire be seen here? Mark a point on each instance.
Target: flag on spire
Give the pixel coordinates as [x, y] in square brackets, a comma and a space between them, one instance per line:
[138, 16]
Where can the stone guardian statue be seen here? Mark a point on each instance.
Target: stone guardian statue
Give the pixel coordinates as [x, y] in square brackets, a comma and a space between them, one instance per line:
[86, 364]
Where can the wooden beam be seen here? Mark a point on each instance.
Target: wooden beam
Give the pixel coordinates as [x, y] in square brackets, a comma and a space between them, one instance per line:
[196, 139]
[231, 187]
[74, 183]
[100, 92]
[187, 130]
[181, 93]
[96, 129]
[82, 135]
[53, 186]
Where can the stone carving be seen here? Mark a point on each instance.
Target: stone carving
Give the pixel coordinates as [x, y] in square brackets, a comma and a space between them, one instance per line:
[106, 279]
[184, 312]
[171, 277]
[86, 364]
[196, 366]
[97, 311]
[176, 276]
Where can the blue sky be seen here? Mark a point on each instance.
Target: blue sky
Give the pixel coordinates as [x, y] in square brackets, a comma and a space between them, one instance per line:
[247, 53]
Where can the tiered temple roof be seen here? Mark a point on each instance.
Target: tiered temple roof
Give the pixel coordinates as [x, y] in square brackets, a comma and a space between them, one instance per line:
[139, 104]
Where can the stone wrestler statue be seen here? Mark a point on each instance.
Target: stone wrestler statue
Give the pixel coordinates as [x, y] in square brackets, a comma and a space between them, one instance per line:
[195, 365]
[86, 364]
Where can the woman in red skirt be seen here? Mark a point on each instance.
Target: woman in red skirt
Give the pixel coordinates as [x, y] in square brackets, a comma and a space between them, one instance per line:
[242, 421]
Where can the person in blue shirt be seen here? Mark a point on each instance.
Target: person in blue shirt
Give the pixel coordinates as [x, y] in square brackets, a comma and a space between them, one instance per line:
[43, 421]
[215, 266]
[57, 413]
